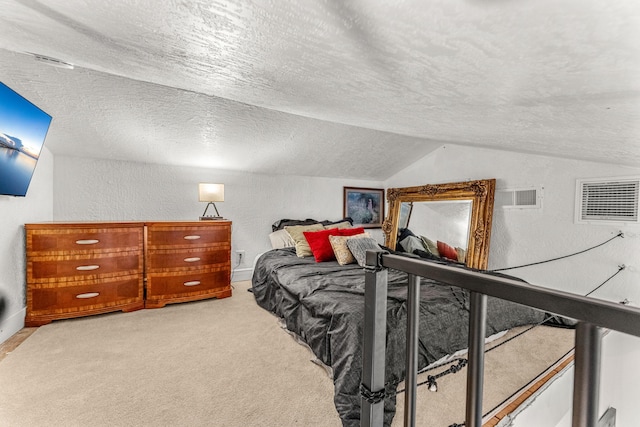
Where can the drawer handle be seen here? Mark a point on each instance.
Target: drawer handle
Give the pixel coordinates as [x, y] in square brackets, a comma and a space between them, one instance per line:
[193, 237]
[88, 295]
[87, 242]
[87, 267]
[193, 259]
[192, 283]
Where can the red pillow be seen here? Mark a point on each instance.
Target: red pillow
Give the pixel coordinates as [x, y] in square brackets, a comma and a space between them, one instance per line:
[446, 251]
[320, 244]
[350, 231]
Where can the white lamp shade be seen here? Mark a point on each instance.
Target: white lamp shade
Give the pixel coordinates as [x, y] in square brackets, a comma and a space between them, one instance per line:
[211, 192]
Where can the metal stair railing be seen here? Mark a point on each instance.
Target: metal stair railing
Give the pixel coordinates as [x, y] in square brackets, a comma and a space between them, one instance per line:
[592, 315]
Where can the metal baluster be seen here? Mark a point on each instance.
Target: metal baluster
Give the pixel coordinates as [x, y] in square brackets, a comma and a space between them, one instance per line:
[374, 345]
[411, 366]
[475, 372]
[586, 380]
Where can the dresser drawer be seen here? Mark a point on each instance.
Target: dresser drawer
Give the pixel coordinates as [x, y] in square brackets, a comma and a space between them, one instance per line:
[163, 288]
[185, 259]
[186, 237]
[172, 284]
[84, 296]
[83, 267]
[83, 240]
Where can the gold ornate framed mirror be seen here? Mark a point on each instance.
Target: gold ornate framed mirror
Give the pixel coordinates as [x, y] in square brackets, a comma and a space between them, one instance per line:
[466, 206]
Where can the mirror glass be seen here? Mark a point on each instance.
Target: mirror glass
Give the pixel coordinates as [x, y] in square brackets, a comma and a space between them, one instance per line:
[440, 221]
[458, 214]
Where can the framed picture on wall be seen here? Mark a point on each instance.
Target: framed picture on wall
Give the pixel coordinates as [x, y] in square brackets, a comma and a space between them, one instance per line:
[365, 206]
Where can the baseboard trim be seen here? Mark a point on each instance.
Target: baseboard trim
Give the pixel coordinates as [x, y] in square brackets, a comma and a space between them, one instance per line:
[12, 324]
[241, 274]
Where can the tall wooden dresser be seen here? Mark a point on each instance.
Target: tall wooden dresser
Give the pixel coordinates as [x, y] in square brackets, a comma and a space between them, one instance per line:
[79, 269]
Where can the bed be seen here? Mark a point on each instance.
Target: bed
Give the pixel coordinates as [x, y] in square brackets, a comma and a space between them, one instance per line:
[323, 304]
[320, 297]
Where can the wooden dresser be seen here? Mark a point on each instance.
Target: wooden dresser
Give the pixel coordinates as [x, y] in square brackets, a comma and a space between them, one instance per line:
[187, 261]
[79, 269]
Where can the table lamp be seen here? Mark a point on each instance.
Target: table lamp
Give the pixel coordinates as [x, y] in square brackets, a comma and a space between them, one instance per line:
[211, 193]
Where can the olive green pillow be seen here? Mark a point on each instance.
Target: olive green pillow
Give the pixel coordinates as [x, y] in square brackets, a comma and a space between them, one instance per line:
[430, 246]
[301, 244]
[343, 224]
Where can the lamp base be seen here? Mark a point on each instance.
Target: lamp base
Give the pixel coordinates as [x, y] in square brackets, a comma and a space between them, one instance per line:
[211, 218]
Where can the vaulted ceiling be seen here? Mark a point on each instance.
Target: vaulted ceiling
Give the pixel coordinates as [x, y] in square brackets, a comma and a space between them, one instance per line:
[349, 88]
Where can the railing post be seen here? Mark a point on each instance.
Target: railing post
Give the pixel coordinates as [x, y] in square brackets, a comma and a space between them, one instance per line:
[411, 366]
[475, 369]
[586, 380]
[374, 344]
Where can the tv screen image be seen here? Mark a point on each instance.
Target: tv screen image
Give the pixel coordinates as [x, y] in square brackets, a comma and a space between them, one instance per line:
[23, 128]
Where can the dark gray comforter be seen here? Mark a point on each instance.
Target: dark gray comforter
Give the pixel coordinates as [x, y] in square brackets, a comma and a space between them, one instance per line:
[323, 304]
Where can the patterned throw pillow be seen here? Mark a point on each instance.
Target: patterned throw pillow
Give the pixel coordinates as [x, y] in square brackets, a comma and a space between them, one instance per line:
[340, 249]
[359, 248]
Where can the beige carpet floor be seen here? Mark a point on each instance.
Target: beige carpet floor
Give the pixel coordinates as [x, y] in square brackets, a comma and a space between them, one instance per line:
[212, 363]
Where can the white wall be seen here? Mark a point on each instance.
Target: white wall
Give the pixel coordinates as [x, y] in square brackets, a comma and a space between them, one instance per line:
[91, 189]
[620, 377]
[520, 236]
[16, 211]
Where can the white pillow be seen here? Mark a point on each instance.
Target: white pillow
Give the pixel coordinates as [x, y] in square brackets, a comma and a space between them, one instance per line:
[411, 243]
[281, 239]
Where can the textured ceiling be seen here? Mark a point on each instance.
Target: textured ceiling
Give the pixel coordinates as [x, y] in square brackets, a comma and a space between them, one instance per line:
[329, 88]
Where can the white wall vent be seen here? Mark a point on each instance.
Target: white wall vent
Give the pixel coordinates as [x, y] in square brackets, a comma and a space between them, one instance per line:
[519, 198]
[607, 201]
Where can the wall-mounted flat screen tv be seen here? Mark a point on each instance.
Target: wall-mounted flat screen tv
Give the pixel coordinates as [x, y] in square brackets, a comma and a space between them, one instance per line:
[23, 128]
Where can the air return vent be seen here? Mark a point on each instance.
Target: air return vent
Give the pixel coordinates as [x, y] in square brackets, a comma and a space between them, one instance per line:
[519, 198]
[607, 201]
